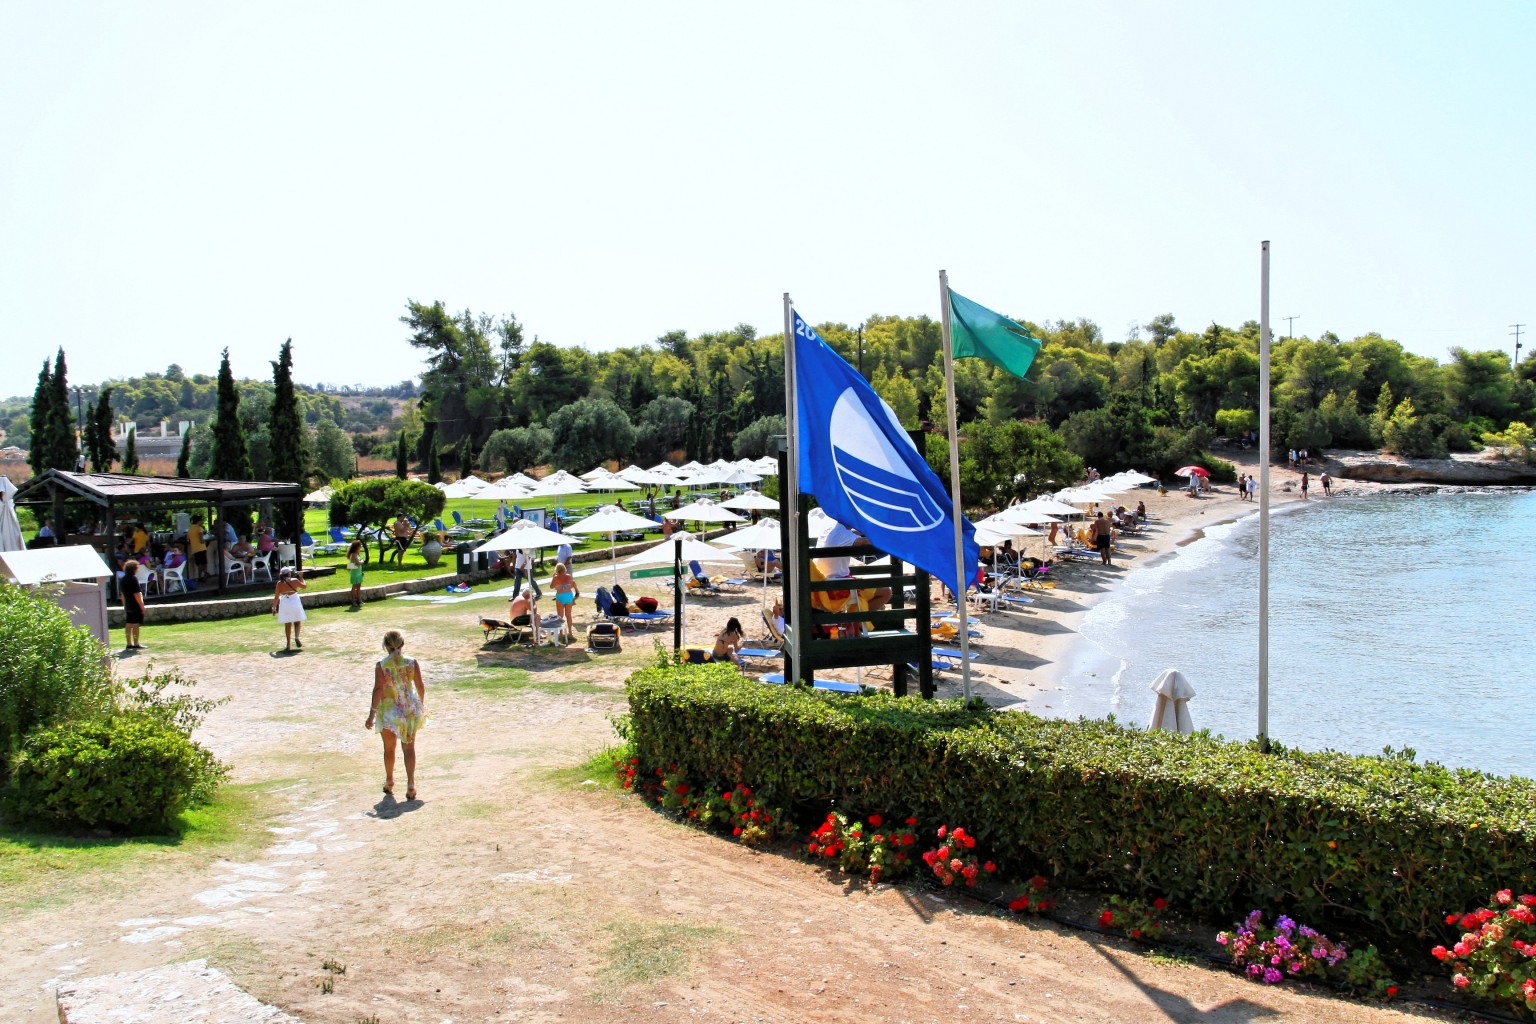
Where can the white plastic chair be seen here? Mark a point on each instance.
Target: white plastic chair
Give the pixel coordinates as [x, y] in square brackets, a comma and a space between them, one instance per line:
[262, 563]
[232, 566]
[147, 579]
[175, 576]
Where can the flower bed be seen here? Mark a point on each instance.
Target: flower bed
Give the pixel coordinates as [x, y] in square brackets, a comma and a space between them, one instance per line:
[1368, 847]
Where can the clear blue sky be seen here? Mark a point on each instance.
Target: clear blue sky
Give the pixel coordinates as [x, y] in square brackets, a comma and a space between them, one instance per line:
[176, 178]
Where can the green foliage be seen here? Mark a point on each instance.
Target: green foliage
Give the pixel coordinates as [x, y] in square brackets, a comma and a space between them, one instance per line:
[334, 457]
[1519, 441]
[755, 440]
[1236, 422]
[588, 432]
[131, 451]
[1371, 846]
[52, 444]
[131, 772]
[51, 670]
[231, 459]
[288, 461]
[402, 456]
[374, 501]
[184, 460]
[517, 449]
[1405, 433]
[661, 428]
[100, 447]
[1004, 462]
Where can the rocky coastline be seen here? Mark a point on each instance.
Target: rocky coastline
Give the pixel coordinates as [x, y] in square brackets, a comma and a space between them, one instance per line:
[1486, 468]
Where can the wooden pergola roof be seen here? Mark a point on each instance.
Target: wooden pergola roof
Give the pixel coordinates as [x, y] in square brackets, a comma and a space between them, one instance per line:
[127, 490]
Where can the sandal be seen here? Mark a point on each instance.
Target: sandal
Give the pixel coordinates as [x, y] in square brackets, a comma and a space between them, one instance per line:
[389, 790]
[410, 794]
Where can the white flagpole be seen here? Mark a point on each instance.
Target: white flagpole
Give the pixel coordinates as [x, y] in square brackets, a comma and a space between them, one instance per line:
[1264, 499]
[961, 575]
[792, 466]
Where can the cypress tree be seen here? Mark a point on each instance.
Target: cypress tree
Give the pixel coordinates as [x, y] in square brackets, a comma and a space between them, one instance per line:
[286, 429]
[402, 457]
[183, 461]
[42, 420]
[105, 451]
[65, 447]
[131, 451]
[466, 456]
[231, 457]
[434, 468]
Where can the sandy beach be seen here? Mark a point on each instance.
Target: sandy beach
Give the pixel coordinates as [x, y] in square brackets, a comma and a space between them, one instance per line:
[1022, 652]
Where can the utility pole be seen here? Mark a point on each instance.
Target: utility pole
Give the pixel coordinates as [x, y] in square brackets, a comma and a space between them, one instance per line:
[1290, 322]
[861, 348]
[1514, 366]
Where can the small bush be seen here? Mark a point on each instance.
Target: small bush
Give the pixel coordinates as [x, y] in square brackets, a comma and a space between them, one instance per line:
[130, 773]
[51, 670]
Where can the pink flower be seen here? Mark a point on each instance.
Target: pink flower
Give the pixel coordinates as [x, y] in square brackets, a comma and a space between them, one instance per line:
[1504, 896]
[1440, 953]
[1460, 980]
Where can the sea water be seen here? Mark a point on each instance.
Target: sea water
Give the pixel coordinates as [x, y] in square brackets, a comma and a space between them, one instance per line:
[1400, 620]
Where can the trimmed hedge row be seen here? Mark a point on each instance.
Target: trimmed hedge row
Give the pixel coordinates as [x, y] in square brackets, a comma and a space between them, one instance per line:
[1368, 847]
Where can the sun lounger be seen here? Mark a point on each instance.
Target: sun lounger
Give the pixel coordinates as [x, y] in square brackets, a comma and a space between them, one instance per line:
[518, 632]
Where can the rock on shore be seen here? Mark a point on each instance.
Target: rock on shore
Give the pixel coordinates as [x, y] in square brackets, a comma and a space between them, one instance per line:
[1477, 469]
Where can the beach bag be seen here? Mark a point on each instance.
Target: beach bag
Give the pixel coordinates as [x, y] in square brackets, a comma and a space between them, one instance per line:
[648, 604]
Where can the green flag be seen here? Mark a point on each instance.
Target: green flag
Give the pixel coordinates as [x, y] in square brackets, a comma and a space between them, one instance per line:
[977, 331]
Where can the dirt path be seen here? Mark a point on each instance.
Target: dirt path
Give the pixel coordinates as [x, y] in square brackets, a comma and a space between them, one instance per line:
[513, 892]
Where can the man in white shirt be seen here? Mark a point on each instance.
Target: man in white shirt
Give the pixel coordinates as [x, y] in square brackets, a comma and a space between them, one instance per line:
[563, 555]
[837, 567]
[523, 570]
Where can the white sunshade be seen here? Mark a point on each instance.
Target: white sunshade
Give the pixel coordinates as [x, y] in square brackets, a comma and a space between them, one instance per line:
[609, 482]
[503, 489]
[763, 536]
[998, 529]
[458, 490]
[703, 512]
[472, 481]
[320, 497]
[766, 465]
[595, 472]
[1084, 495]
[739, 476]
[1050, 506]
[1171, 712]
[749, 500]
[519, 480]
[524, 534]
[610, 519]
[694, 550]
[692, 467]
[1134, 478]
[553, 488]
[666, 469]
[71, 562]
[1023, 514]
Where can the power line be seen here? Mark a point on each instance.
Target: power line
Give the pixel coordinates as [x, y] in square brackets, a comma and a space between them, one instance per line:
[1516, 332]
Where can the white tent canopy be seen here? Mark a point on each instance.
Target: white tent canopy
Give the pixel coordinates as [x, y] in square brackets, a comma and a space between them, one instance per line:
[525, 535]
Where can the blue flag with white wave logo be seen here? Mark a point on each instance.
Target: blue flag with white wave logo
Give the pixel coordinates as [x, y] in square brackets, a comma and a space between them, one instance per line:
[859, 463]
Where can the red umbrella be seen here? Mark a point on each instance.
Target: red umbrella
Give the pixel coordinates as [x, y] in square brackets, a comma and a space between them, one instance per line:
[1196, 470]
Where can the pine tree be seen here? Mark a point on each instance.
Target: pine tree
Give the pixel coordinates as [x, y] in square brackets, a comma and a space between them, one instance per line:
[105, 452]
[42, 398]
[184, 460]
[402, 457]
[289, 460]
[231, 457]
[131, 451]
[65, 447]
[434, 467]
[466, 456]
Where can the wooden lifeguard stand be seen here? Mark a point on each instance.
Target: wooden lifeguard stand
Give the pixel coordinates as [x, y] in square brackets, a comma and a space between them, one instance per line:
[899, 635]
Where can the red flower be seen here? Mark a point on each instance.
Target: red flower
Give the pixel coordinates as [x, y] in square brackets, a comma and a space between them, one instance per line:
[736, 831]
[879, 838]
[1460, 980]
[1529, 988]
[1440, 953]
[1160, 903]
[1504, 896]
[955, 864]
[989, 866]
[911, 821]
[1019, 904]
[1106, 919]
[1452, 918]
[969, 842]
[682, 789]
[875, 819]
[943, 853]
[1528, 900]
[1135, 933]
[908, 839]
[1037, 883]
[1391, 991]
[942, 830]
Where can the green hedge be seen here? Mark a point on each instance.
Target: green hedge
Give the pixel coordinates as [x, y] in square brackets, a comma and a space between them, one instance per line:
[1367, 847]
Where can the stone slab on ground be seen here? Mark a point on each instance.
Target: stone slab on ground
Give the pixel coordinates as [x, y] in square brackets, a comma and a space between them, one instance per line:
[173, 994]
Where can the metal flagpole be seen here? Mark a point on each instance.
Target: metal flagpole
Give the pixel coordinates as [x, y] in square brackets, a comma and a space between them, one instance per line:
[962, 577]
[792, 566]
[1264, 450]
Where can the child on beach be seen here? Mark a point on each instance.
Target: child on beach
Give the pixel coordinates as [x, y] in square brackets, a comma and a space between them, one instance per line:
[355, 572]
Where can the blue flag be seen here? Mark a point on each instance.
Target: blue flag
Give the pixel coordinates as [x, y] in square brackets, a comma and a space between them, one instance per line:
[863, 469]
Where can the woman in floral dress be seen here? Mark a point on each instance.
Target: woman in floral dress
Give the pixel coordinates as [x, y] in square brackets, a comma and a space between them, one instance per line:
[399, 706]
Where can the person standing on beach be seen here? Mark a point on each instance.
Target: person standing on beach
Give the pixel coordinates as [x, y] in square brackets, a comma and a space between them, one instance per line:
[1303, 485]
[1103, 537]
[1327, 482]
[523, 571]
[1242, 487]
[1253, 488]
[288, 606]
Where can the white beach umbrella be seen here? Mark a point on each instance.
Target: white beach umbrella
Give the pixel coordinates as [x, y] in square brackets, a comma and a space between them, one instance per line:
[10, 526]
[611, 519]
[553, 488]
[1025, 516]
[998, 530]
[595, 472]
[458, 490]
[1172, 709]
[519, 479]
[702, 511]
[318, 497]
[694, 550]
[472, 481]
[441, 485]
[691, 467]
[737, 477]
[747, 501]
[502, 490]
[609, 482]
[761, 536]
[767, 466]
[1051, 506]
[666, 469]
[525, 535]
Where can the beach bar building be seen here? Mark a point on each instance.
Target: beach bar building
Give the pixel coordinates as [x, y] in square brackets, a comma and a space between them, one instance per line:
[101, 502]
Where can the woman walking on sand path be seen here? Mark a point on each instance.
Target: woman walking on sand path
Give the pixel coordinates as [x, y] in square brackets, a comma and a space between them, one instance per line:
[399, 705]
[289, 607]
[1303, 486]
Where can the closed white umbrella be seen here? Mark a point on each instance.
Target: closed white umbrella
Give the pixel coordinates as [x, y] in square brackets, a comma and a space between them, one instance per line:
[611, 519]
[525, 535]
[1172, 709]
[10, 525]
[748, 501]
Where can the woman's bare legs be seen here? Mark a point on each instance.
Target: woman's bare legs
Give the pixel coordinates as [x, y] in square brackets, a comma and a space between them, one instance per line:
[389, 760]
[410, 768]
[287, 635]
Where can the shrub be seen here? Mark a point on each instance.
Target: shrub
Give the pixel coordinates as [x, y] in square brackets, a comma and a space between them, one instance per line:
[130, 772]
[1137, 918]
[1496, 955]
[51, 670]
[869, 847]
[1372, 846]
[954, 859]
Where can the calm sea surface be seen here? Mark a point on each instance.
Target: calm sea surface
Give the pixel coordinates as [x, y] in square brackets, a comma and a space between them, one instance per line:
[1394, 619]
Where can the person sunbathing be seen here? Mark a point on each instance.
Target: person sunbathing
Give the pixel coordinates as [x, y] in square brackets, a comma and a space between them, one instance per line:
[524, 611]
